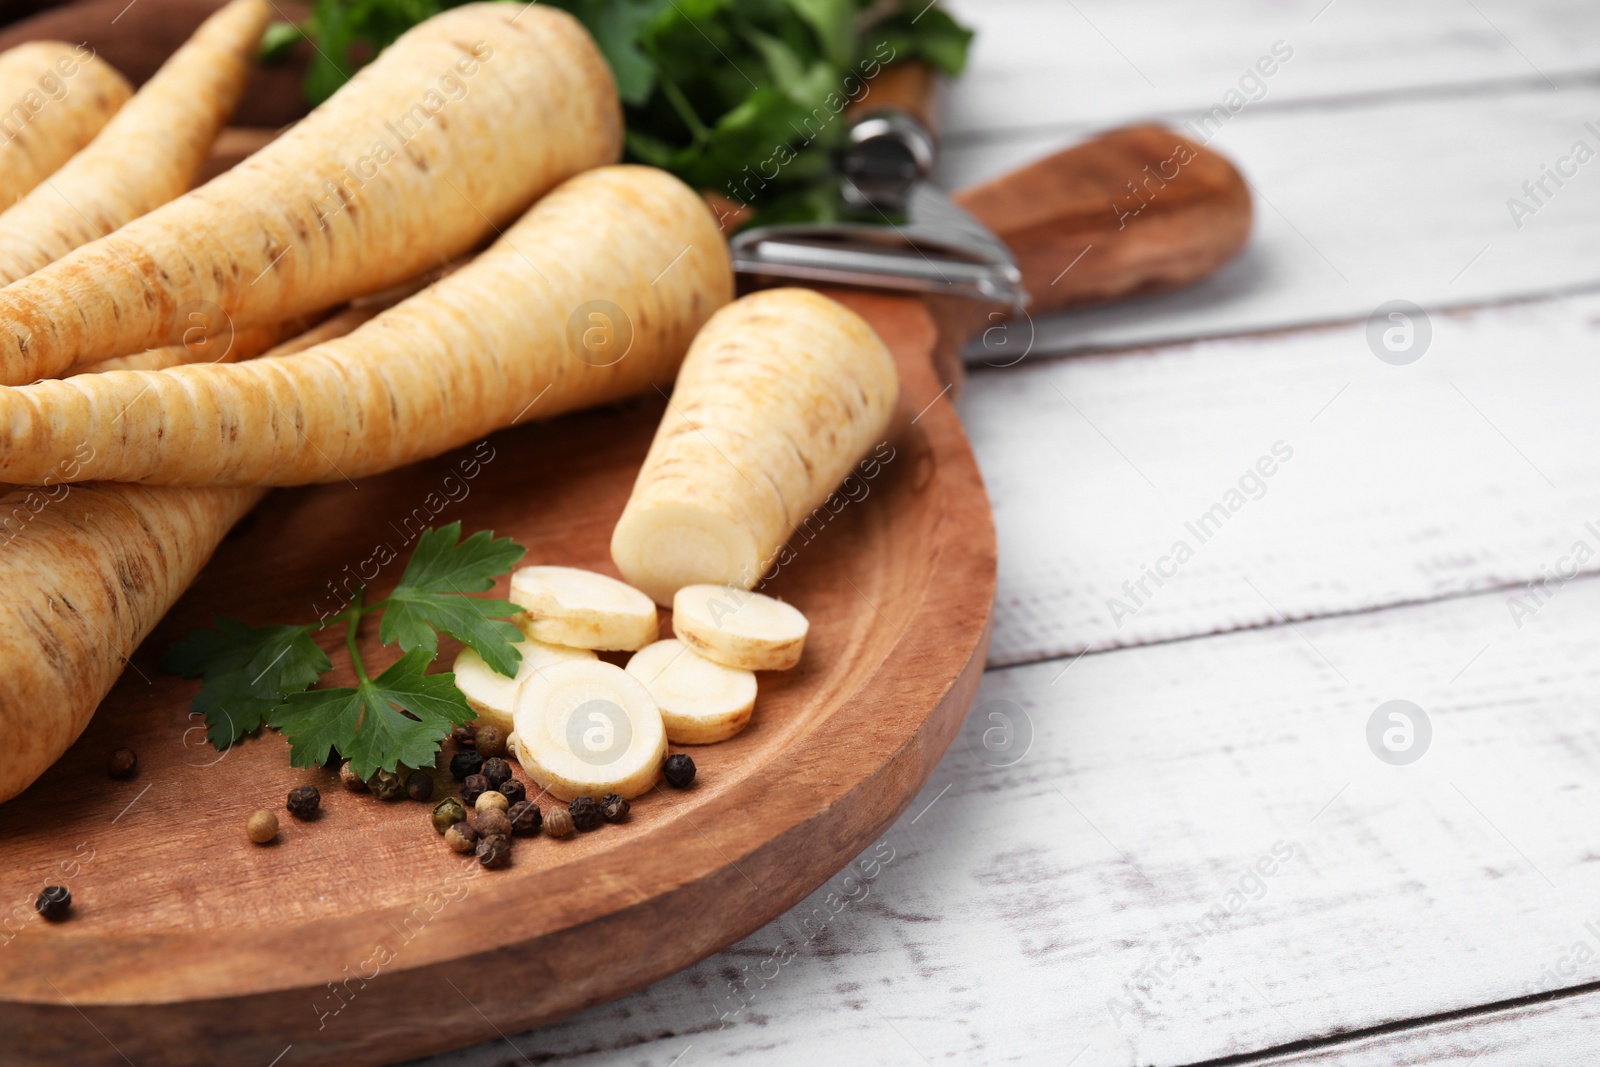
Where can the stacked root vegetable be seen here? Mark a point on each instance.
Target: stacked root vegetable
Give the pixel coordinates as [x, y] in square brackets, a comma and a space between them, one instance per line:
[323, 311]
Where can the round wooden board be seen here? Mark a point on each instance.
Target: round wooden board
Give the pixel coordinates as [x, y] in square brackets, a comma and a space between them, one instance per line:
[359, 938]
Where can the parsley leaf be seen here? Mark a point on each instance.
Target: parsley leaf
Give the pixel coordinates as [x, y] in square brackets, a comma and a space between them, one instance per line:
[248, 670]
[427, 601]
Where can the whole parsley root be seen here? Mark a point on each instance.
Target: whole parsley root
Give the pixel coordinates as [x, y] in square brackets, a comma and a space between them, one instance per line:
[629, 252]
[455, 129]
[68, 94]
[147, 154]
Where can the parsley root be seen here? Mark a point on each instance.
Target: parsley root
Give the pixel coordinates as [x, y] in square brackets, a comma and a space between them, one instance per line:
[454, 129]
[54, 98]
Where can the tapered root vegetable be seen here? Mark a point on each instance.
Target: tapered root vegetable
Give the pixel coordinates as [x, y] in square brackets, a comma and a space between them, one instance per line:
[582, 609]
[781, 393]
[234, 347]
[54, 98]
[585, 729]
[450, 132]
[494, 696]
[701, 701]
[147, 154]
[86, 577]
[498, 342]
[737, 628]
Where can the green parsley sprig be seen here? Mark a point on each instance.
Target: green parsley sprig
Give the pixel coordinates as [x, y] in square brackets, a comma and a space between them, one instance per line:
[262, 675]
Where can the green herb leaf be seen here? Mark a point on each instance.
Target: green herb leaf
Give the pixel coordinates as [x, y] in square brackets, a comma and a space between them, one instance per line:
[428, 600]
[248, 671]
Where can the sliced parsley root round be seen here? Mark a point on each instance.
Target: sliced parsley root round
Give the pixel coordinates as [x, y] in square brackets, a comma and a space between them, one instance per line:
[147, 154]
[737, 628]
[582, 609]
[781, 393]
[68, 95]
[492, 695]
[451, 132]
[587, 728]
[488, 346]
[701, 701]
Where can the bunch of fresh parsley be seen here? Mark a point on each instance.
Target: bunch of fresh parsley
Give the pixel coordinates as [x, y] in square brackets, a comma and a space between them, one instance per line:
[714, 90]
[257, 675]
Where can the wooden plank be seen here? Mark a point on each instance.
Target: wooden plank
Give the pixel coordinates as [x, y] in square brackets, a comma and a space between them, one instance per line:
[1026, 906]
[1359, 205]
[1095, 62]
[1469, 469]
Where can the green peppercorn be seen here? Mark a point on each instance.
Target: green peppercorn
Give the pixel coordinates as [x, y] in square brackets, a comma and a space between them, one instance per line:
[461, 837]
[262, 827]
[614, 808]
[386, 785]
[464, 735]
[494, 851]
[490, 822]
[558, 822]
[472, 788]
[491, 741]
[679, 770]
[54, 903]
[303, 801]
[419, 785]
[465, 763]
[122, 763]
[513, 790]
[497, 771]
[585, 813]
[352, 781]
[526, 818]
[447, 813]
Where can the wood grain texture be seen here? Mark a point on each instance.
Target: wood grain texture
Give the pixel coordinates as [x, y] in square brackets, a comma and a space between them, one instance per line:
[189, 945]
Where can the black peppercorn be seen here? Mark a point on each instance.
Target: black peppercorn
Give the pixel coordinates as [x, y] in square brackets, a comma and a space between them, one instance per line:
[679, 771]
[334, 760]
[386, 785]
[585, 813]
[472, 788]
[304, 801]
[514, 790]
[465, 735]
[54, 903]
[494, 851]
[461, 837]
[558, 823]
[447, 813]
[496, 770]
[491, 741]
[614, 808]
[122, 763]
[464, 764]
[526, 818]
[419, 785]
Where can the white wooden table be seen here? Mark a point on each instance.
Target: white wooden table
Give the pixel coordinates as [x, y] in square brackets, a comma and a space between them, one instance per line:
[1185, 851]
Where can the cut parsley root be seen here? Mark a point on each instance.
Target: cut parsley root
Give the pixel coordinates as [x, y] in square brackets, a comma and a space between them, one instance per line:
[67, 94]
[587, 728]
[700, 701]
[738, 628]
[492, 695]
[488, 346]
[69, 628]
[453, 130]
[147, 154]
[582, 609]
[781, 393]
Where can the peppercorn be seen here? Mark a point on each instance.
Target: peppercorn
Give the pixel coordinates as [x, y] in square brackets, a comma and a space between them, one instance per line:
[386, 785]
[614, 808]
[474, 787]
[122, 763]
[447, 813]
[585, 813]
[419, 785]
[491, 800]
[497, 771]
[491, 741]
[526, 818]
[679, 770]
[304, 801]
[464, 735]
[54, 903]
[461, 837]
[464, 764]
[352, 781]
[514, 790]
[491, 821]
[262, 827]
[494, 851]
[558, 823]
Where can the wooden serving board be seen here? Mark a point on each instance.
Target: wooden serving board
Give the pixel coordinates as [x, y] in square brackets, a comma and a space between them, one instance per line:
[359, 938]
